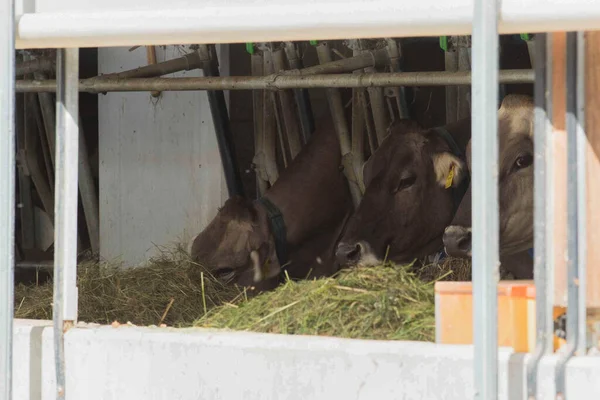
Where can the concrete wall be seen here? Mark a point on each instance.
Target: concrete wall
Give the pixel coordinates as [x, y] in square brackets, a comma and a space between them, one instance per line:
[160, 174]
[132, 363]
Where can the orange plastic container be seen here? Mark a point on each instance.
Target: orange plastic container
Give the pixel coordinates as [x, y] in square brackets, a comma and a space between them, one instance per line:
[454, 312]
[516, 314]
[524, 319]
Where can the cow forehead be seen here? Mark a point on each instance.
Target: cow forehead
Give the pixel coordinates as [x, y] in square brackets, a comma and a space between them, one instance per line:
[515, 117]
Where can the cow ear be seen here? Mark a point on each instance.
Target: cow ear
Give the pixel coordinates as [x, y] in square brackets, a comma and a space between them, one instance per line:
[449, 169]
[372, 167]
[264, 264]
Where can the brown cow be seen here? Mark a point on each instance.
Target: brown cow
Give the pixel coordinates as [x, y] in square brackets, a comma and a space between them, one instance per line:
[406, 204]
[240, 245]
[515, 187]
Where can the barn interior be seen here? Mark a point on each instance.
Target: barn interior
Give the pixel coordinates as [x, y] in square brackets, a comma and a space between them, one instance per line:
[430, 105]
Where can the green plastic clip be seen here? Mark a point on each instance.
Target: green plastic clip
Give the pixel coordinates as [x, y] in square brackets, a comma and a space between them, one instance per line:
[250, 47]
[525, 36]
[313, 42]
[444, 43]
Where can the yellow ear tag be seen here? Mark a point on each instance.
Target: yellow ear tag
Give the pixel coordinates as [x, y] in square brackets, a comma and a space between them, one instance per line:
[450, 177]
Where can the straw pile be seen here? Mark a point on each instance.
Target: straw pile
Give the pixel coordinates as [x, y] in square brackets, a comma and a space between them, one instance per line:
[384, 302]
[387, 302]
[170, 289]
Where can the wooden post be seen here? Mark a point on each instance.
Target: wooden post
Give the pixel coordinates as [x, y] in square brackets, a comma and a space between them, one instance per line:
[592, 127]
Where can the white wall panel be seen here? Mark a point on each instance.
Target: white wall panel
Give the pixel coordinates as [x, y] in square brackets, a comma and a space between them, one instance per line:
[161, 178]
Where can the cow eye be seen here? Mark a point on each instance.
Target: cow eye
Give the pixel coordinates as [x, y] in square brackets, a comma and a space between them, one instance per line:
[524, 161]
[405, 183]
[225, 274]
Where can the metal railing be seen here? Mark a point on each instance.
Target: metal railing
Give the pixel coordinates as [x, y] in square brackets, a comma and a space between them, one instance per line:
[484, 183]
[7, 193]
[485, 211]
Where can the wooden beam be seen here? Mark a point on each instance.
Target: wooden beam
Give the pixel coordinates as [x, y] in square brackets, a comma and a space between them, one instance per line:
[592, 127]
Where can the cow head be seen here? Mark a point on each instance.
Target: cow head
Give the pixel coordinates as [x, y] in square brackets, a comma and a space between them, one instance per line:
[406, 204]
[237, 246]
[515, 184]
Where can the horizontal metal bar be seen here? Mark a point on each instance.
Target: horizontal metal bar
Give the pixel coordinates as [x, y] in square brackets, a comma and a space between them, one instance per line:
[57, 24]
[42, 64]
[34, 264]
[185, 63]
[276, 82]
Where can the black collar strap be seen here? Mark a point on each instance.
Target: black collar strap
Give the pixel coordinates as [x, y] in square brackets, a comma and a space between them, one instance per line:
[278, 229]
[457, 192]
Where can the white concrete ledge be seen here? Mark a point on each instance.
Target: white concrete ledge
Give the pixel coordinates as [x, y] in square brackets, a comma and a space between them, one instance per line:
[87, 23]
[130, 363]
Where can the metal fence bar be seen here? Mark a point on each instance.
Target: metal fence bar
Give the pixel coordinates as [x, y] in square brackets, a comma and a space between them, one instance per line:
[7, 193]
[576, 238]
[543, 209]
[485, 197]
[65, 236]
[278, 81]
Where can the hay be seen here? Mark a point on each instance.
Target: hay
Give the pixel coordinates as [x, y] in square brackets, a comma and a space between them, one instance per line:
[450, 269]
[170, 289]
[385, 302]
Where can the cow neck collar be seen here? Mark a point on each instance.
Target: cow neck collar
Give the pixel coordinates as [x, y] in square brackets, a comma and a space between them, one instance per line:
[277, 228]
[457, 192]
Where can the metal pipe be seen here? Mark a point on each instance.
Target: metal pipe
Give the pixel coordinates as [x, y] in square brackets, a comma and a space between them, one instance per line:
[277, 82]
[42, 64]
[48, 115]
[576, 227]
[334, 98]
[64, 309]
[89, 196]
[485, 198]
[187, 62]
[358, 137]
[464, 64]
[38, 264]
[288, 108]
[218, 110]
[543, 262]
[31, 157]
[41, 135]
[262, 178]
[451, 66]
[7, 194]
[92, 24]
[24, 184]
[395, 53]
[269, 149]
[366, 59]
[307, 122]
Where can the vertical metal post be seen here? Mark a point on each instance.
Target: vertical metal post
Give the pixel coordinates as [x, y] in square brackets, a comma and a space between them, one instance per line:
[65, 233]
[576, 206]
[543, 209]
[451, 65]
[7, 193]
[485, 197]
[218, 110]
[302, 98]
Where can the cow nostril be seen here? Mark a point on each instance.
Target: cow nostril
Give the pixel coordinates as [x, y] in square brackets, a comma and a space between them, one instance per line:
[464, 243]
[354, 254]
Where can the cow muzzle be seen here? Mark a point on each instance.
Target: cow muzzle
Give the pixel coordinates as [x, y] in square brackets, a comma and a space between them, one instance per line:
[457, 241]
[356, 253]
